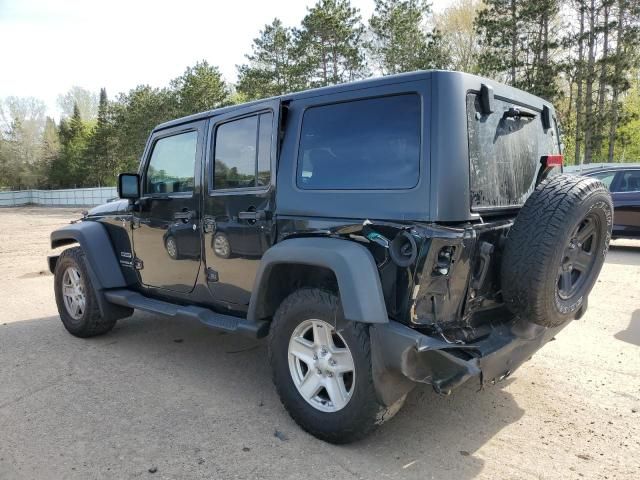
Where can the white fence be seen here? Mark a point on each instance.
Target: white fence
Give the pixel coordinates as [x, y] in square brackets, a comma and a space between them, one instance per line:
[72, 197]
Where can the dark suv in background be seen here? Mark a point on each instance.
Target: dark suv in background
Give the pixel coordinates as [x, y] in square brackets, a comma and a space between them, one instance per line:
[411, 228]
[623, 181]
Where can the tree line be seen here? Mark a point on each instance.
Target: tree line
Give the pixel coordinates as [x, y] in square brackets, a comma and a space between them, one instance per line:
[580, 54]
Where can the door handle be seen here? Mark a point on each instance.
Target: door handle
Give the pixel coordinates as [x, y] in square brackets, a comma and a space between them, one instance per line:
[252, 215]
[185, 215]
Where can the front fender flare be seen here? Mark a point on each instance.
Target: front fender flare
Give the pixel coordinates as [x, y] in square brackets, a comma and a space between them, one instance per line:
[96, 244]
[353, 265]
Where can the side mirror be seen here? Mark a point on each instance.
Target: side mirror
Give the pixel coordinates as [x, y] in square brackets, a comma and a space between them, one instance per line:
[129, 186]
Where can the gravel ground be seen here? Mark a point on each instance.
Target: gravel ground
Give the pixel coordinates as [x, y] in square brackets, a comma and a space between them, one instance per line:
[182, 401]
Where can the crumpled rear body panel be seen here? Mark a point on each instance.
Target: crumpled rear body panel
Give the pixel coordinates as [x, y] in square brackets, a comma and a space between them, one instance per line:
[402, 356]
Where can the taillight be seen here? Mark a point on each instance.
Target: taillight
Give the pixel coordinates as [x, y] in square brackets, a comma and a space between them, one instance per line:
[552, 160]
[548, 162]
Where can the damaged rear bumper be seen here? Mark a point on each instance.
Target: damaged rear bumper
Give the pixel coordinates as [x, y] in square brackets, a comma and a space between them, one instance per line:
[402, 356]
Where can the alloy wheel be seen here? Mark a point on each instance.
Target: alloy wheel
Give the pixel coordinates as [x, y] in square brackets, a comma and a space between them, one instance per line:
[172, 248]
[73, 292]
[578, 258]
[321, 365]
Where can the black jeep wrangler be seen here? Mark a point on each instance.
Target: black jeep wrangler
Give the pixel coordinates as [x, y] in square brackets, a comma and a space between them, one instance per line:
[411, 228]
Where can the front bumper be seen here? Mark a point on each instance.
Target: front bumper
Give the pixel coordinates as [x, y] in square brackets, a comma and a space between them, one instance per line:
[402, 356]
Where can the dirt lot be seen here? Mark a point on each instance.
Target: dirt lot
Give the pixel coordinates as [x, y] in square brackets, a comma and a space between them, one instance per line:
[192, 403]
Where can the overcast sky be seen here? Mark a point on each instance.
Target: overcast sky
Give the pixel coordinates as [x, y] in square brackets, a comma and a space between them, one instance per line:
[48, 46]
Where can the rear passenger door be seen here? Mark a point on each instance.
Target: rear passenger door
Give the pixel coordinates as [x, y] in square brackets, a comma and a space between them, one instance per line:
[239, 200]
[625, 192]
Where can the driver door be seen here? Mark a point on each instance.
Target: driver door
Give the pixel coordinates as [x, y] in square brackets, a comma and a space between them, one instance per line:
[166, 233]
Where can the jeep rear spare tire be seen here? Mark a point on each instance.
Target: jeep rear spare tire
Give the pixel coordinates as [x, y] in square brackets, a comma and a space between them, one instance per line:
[556, 248]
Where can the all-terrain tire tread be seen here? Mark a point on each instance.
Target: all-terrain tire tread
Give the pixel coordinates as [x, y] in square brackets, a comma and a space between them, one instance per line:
[540, 223]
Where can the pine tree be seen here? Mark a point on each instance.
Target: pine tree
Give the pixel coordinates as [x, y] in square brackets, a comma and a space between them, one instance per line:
[330, 44]
[624, 59]
[7, 164]
[519, 39]
[401, 42]
[273, 68]
[100, 148]
[498, 26]
[602, 50]
[135, 114]
[200, 88]
[15, 154]
[49, 151]
[72, 166]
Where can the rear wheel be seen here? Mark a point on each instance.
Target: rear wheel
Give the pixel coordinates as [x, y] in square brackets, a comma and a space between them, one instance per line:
[323, 374]
[556, 248]
[76, 297]
[321, 365]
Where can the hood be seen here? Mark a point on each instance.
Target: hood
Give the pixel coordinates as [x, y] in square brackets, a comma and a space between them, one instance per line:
[117, 206]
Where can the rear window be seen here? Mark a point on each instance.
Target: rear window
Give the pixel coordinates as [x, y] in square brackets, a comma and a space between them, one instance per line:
[505, 153]
[363, 144]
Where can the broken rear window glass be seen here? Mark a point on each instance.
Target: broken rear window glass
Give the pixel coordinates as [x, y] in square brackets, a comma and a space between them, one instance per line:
[504, 153]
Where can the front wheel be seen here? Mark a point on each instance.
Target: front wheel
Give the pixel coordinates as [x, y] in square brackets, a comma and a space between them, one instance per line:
[323, 374]
[171, 247]
[76, 298]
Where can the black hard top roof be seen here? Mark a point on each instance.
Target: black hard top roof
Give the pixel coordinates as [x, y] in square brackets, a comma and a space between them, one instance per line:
[359, 85]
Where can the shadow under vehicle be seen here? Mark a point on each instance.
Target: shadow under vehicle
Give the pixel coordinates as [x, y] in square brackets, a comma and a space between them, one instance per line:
[409, 229]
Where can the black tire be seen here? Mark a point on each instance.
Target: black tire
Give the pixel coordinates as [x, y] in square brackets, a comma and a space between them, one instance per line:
[90, 322]
[362, 414]
[548, 267]
[171, 245]
[224, 253]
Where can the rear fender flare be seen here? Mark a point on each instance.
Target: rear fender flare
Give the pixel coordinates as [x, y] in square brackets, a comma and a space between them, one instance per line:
[353, 265]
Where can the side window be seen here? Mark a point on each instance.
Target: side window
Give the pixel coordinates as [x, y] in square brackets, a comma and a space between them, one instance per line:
[605, 177]
[629, 182]
[172, 164]
[362, 144]
[243, 152]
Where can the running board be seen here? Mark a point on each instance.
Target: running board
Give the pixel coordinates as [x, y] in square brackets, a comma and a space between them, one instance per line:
[228, 323]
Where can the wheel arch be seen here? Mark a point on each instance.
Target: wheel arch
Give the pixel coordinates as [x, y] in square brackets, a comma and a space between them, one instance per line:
[318, 262]
[96, 245]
